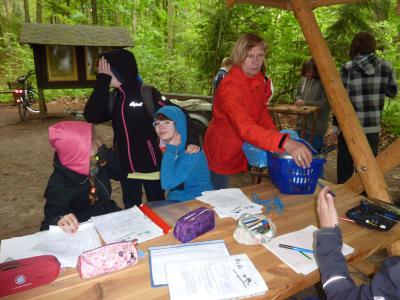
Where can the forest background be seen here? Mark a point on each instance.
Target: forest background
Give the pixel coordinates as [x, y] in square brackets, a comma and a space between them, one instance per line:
[179, 44]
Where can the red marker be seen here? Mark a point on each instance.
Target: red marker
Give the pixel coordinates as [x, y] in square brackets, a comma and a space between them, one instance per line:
[155, 218]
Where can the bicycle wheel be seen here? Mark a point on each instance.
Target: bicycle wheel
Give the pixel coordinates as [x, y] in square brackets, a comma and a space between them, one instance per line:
[22, 110]
[32, 103]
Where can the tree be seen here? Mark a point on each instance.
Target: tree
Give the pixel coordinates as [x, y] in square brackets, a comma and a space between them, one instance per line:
[26, 11]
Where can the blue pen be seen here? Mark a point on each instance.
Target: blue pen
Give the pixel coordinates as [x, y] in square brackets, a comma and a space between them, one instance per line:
[296, 248]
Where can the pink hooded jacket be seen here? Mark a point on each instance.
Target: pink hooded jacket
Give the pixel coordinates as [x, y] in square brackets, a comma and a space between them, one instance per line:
[72, 140]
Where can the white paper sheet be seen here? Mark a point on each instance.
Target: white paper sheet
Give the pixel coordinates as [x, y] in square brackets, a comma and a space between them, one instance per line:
[230, 202]
[159, 256]
[65, 246]
[126, 225]
[295, 260]
[212, 279]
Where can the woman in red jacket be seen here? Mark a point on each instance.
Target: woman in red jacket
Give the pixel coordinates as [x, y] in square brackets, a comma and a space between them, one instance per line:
[240, 115]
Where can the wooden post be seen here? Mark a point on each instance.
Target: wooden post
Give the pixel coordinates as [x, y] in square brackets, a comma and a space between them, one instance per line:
[354, 136]
[387, 160]
[42, 104]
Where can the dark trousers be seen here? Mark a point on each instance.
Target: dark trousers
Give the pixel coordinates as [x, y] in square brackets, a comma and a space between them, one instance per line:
[345, 164]
[132, 191]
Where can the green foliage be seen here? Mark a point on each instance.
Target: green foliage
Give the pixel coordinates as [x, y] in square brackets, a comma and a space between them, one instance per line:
[391, 117]
[203, 34]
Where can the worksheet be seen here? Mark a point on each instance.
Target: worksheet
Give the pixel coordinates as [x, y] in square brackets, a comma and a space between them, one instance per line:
[126, 225]
[160, 256]
[214, 278]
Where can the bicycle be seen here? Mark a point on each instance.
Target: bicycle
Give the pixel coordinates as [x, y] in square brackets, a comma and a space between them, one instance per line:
[25, 95]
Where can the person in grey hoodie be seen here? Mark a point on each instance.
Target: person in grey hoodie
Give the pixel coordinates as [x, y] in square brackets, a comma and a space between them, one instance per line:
[310, 91]
[367, 79]
[335, 277]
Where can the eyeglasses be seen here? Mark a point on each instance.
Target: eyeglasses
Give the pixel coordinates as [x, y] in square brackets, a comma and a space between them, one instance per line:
[166, 123]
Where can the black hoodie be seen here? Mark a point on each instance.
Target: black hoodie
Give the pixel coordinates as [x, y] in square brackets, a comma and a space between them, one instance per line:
[134, 134]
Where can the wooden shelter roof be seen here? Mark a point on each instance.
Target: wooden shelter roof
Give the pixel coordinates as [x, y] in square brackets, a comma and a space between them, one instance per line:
[75, 35]
[286, 4]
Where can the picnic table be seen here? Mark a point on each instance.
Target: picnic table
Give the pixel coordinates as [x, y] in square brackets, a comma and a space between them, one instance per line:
[300, 211]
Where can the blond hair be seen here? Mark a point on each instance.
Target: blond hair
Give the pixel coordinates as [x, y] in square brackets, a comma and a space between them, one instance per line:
[226, 62]
[243, 46]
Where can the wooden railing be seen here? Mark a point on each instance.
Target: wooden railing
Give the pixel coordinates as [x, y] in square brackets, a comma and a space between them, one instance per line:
[187, 97]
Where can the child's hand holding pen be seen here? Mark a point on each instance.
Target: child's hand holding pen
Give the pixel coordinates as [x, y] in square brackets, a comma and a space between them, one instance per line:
[68, 223]
[326, 209]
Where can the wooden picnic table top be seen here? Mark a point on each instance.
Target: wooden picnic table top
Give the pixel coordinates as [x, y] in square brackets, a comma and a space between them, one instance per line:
[300, 211]
[294, 109]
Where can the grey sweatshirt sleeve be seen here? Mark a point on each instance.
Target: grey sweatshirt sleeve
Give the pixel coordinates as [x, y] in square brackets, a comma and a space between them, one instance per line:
[335, 276]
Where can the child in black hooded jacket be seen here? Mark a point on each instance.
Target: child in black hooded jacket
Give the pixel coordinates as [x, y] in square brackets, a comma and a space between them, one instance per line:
[135, 140]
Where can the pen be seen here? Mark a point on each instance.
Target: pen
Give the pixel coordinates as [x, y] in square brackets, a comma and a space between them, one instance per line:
[321, 185]
[296, 248]
[305, 254]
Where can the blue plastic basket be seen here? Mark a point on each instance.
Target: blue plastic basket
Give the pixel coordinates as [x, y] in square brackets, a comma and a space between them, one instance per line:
[291, 179]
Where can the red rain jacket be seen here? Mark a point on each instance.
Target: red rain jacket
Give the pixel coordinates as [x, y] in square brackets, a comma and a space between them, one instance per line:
[239, 115]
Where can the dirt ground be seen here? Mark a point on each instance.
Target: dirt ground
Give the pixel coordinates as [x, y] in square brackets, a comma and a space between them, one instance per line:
[26, 164]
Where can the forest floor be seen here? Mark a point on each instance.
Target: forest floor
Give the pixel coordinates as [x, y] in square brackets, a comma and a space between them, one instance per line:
[26, 164]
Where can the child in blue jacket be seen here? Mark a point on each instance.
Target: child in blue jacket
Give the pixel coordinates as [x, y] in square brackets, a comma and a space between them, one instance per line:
[184, 175]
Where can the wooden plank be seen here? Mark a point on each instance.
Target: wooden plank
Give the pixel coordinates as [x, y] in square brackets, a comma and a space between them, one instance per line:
[387, 160]
[282, 4]
[354, 136]
[300, 211]
[285, 4]
[319, 3]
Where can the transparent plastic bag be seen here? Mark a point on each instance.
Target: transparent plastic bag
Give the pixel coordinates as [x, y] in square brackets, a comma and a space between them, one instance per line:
[254, 229]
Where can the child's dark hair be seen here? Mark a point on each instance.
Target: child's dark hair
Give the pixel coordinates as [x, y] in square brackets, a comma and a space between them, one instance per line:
[162, 117]
[363, 43]
[309, 65]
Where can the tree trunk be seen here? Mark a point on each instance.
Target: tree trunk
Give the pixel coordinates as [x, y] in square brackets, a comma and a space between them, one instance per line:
[170, 35]
[95, 19]
[39, 11]
[26, 11]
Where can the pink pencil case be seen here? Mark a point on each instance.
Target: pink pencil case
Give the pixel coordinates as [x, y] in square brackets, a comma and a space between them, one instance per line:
[107, 259]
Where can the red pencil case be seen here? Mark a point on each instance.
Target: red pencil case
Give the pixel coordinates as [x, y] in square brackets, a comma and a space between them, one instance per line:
[24, 274]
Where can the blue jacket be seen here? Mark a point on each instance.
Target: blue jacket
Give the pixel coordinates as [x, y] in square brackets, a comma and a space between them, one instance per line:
[185, 176]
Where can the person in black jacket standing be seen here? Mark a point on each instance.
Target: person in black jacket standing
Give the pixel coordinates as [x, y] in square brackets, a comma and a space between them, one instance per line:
[135, 139]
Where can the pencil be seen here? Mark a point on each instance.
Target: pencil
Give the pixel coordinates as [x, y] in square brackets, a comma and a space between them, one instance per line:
[296, 248]
[346, 219]
[305, 254]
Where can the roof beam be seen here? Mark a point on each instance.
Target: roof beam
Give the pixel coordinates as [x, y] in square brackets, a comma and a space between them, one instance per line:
[285, 4]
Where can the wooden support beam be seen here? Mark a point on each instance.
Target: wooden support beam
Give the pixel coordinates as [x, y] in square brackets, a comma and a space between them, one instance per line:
[286, 4]
[354, 136]
[387, 160]
[282, 4]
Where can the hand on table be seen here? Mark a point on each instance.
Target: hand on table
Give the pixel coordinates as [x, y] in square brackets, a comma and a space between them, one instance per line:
[326, 209]
[299, 102]
[69, 223]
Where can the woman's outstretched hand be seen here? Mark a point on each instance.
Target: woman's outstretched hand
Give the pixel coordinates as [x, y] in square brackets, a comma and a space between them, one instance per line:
[300, 152]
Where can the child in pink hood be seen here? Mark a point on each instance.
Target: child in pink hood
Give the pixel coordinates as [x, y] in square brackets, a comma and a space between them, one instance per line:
[79, 186]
